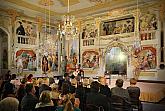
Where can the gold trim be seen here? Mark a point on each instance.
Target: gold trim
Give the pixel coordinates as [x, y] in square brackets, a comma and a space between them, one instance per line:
[89, 9]
[71, 2]
[32, 7]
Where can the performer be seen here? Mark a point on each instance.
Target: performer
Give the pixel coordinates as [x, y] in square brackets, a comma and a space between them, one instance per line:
[78, 73]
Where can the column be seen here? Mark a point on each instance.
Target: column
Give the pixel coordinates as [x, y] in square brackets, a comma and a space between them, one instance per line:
[64, 60]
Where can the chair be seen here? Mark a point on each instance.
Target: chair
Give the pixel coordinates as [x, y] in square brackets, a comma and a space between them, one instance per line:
[119, 104]
[134, 93]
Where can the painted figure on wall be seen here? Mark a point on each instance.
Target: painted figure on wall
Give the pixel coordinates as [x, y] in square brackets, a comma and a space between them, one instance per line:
[44, 64]
[117, 26]
[26, 60]
[90, 59]
[20, 30]
[148, 21]
[147, 58]
[52, 62]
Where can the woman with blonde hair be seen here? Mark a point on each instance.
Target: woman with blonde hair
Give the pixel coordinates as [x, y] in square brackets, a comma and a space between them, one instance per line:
[70, 103]
[45, 102]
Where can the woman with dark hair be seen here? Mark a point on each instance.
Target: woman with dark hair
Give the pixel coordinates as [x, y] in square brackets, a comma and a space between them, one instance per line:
[8, 90]
[44, 64]
[29, 78]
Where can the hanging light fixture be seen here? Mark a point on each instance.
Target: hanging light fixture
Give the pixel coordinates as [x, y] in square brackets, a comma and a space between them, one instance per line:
[68, 20]
[137, 42]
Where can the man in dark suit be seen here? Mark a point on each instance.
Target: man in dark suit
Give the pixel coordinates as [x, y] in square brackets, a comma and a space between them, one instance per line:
[97, 99]
[119, 91]
[29, 101]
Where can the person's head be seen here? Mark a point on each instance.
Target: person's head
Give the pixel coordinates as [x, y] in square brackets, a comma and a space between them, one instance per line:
[73, 82]
[30, 88]
[45, 97]
[46, 81]
[133, 81]
[69, 103]
[51, 80]
[102, 80]
[9, 90]
[9, 104]
[23, 81]
[66, 76]
[40, 81]
[119, 83]
[13, 76]
[95, 86]
[30, 77]
[54, 87]
[7, 76]
[86, 82]
[35, 81]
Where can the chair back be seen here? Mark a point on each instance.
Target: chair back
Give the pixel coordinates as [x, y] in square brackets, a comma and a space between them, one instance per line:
[117, 103]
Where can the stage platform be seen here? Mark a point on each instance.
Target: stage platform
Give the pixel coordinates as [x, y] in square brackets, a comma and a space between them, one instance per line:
[150, 92]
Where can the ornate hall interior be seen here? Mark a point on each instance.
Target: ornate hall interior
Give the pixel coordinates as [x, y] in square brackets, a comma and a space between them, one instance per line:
[112, 38]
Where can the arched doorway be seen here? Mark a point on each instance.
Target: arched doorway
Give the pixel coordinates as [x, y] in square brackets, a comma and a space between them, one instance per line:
[116, 61]
[3, 51]
[119, 51]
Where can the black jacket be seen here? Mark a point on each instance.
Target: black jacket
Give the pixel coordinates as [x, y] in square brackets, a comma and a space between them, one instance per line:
[29, 102]
[98, 99]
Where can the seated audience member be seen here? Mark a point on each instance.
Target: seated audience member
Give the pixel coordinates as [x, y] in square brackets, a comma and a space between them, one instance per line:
[119, 91]
[54, 93]
[73, 86]
[9, 90]
[40, 81]
[45, 102]
[134, 93]
[97, 99]
[36, 85]
[81, 94]
[104, 89]
[65, 89]
[44, 86]
[29, 101]
[7, 79]
[51, 80]
[15, 81]
[29, 78]
[9, 104]
[65, 80]
[21, 92]
[86, 85]
[69, 104]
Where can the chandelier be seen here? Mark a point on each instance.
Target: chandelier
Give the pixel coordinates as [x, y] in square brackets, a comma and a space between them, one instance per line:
[68, 19]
